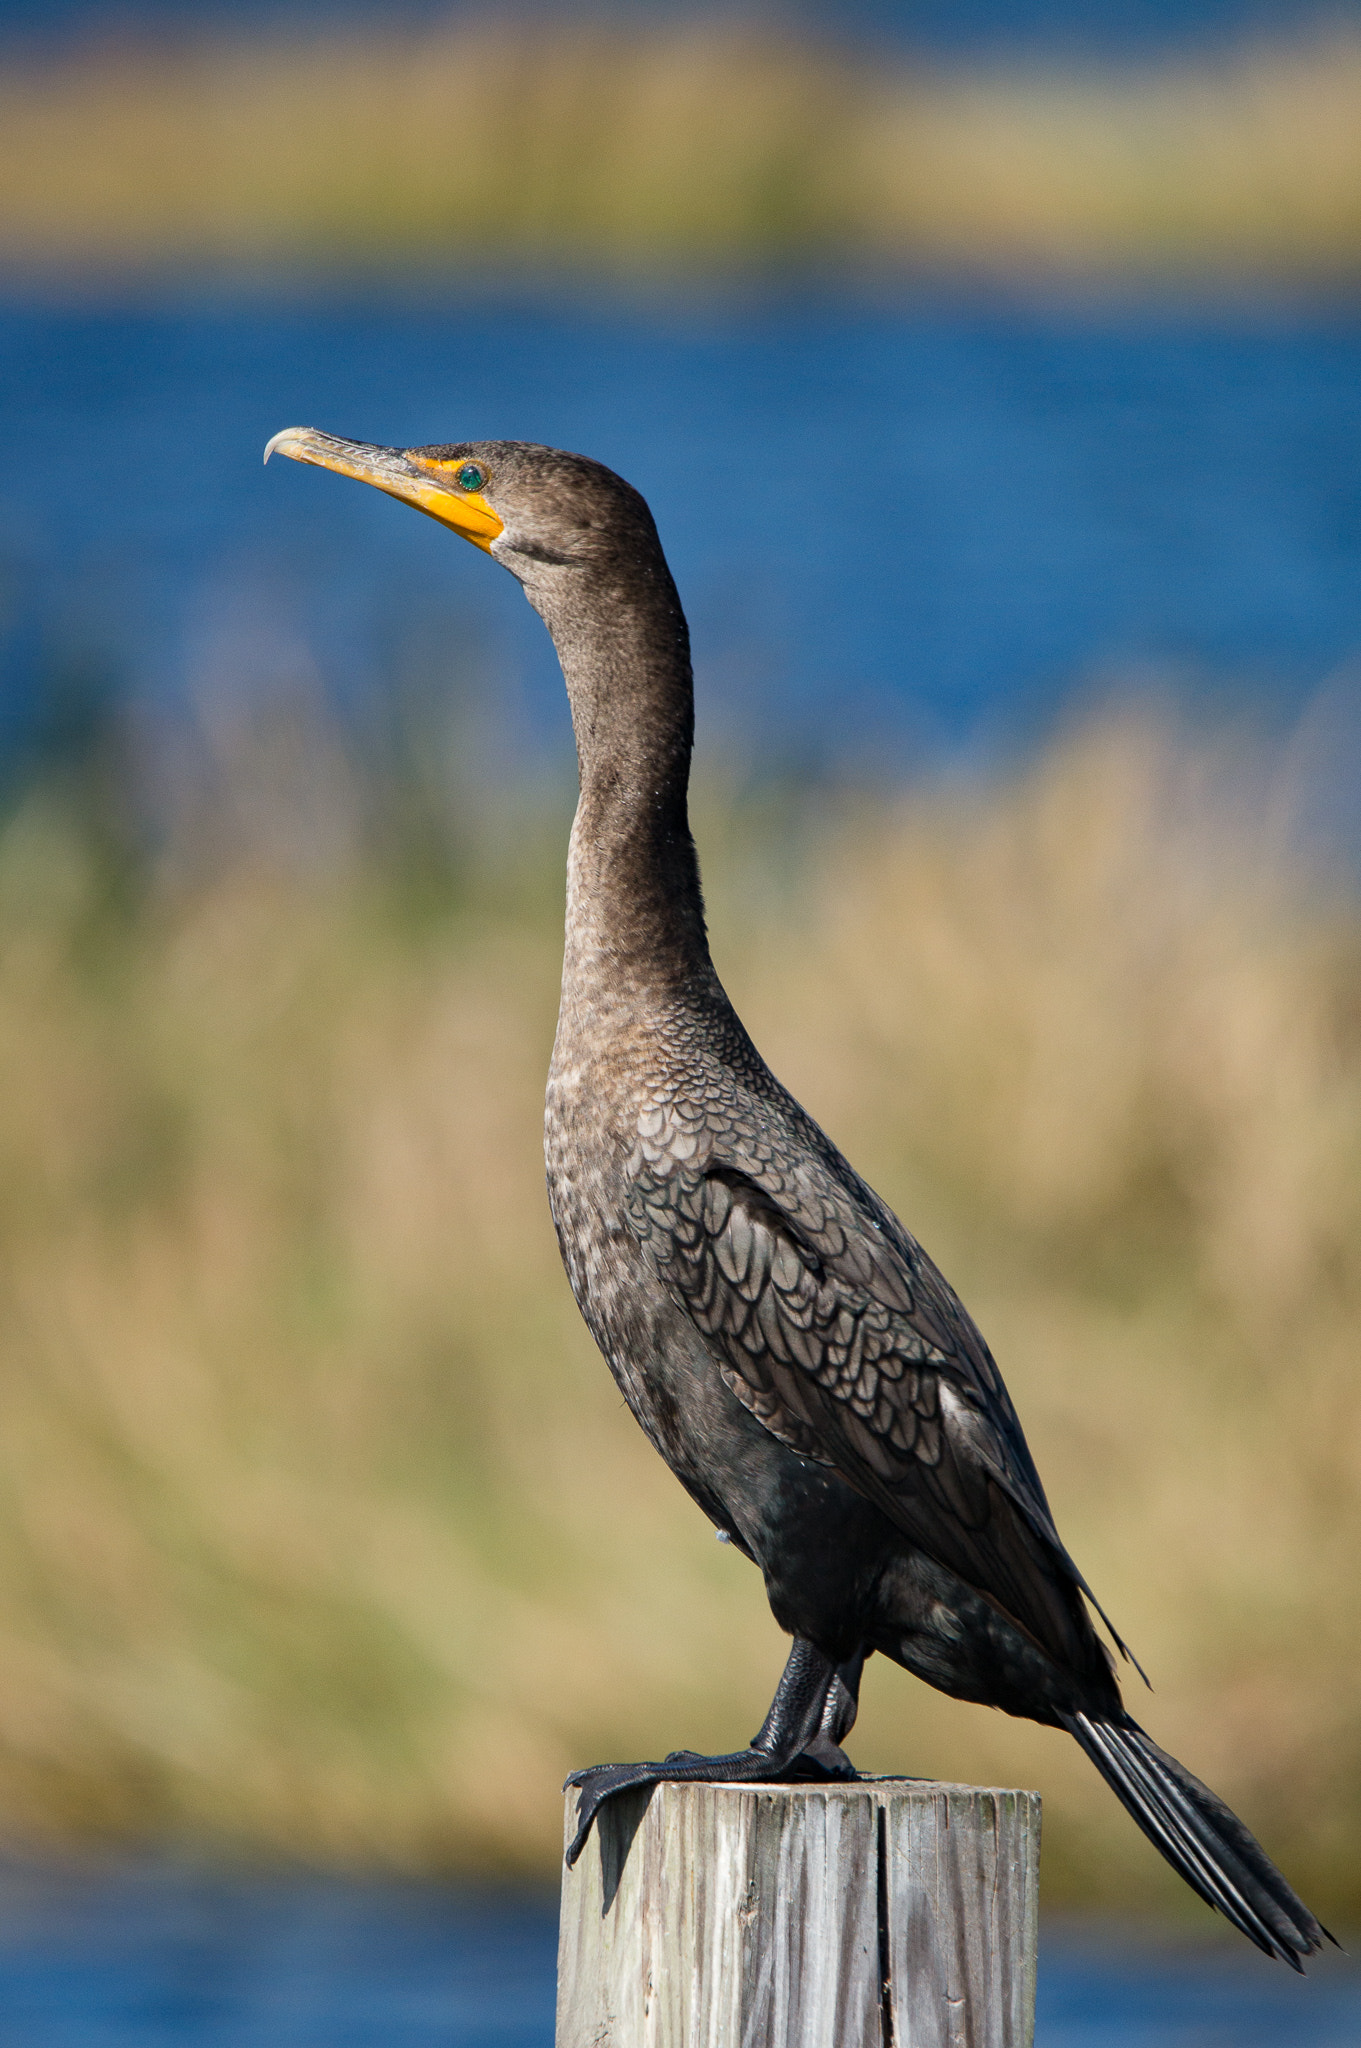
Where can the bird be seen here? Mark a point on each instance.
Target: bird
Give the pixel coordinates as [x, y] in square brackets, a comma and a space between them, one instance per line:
[788, 1347]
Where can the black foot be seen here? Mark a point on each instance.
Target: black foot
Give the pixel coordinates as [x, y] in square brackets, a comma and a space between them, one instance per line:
[822, 1762]
[742, 1767]
[813, 1707]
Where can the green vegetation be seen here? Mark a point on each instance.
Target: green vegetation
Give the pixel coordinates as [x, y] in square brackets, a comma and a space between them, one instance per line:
[322, 1529]
[567, 146]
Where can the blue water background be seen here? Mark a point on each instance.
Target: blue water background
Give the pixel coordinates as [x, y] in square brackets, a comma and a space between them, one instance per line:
[1003, 28]
[151, 1954]
[903, 529]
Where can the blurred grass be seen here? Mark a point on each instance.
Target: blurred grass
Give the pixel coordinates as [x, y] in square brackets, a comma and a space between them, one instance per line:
[502, 145]
[322, 1529]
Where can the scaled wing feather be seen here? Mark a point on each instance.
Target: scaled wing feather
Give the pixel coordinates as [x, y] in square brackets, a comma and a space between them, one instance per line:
[831, 1325]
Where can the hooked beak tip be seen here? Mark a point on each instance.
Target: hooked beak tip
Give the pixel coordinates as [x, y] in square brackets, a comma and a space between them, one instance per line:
[278, 440]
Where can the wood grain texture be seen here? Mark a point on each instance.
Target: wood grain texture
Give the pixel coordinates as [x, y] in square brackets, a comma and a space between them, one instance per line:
[890, 1913]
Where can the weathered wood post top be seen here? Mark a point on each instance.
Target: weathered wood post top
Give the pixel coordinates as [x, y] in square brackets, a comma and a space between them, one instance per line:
[886, 1913]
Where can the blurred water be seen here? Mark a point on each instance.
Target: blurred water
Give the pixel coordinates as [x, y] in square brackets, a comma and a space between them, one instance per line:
[147, 1954]
[957, 26]
[900, 529]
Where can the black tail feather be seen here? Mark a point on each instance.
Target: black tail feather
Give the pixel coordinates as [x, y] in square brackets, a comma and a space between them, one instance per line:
[1203, 1841]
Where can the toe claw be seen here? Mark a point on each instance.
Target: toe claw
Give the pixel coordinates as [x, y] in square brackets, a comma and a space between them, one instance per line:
[596, 1784]
[578, 1841]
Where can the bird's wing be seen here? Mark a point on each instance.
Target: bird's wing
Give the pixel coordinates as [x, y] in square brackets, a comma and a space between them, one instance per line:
[835, 1330]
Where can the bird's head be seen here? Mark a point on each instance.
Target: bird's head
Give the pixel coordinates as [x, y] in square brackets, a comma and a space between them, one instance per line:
[558, 522]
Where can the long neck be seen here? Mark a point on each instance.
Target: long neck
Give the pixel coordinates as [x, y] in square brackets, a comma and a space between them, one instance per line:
[635, 915]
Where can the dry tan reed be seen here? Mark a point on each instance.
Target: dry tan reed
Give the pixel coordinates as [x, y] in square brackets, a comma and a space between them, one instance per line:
[565, 145]
[322, 1529]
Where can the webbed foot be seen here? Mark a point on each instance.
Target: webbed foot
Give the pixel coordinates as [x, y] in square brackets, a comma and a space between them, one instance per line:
[742, 1767]
[814, 1706]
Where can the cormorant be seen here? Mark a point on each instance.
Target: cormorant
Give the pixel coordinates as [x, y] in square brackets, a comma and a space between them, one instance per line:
[789, 1348]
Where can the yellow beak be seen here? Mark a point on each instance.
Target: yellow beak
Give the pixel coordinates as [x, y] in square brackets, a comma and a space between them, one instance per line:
[403, 473]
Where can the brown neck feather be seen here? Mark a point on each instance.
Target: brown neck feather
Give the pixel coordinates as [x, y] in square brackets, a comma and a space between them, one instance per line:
[635, 915]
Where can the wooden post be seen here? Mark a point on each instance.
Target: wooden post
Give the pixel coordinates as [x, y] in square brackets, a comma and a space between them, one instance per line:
[889, 1913]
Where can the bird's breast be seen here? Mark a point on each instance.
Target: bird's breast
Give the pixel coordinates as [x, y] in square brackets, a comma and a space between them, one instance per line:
[588, 1138]
[594, 1135]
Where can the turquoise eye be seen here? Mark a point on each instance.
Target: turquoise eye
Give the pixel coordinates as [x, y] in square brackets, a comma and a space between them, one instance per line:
[471, 477]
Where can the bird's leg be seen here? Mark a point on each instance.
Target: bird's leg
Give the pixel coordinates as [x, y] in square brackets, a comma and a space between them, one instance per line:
[839, 1710]
[814, 1705]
